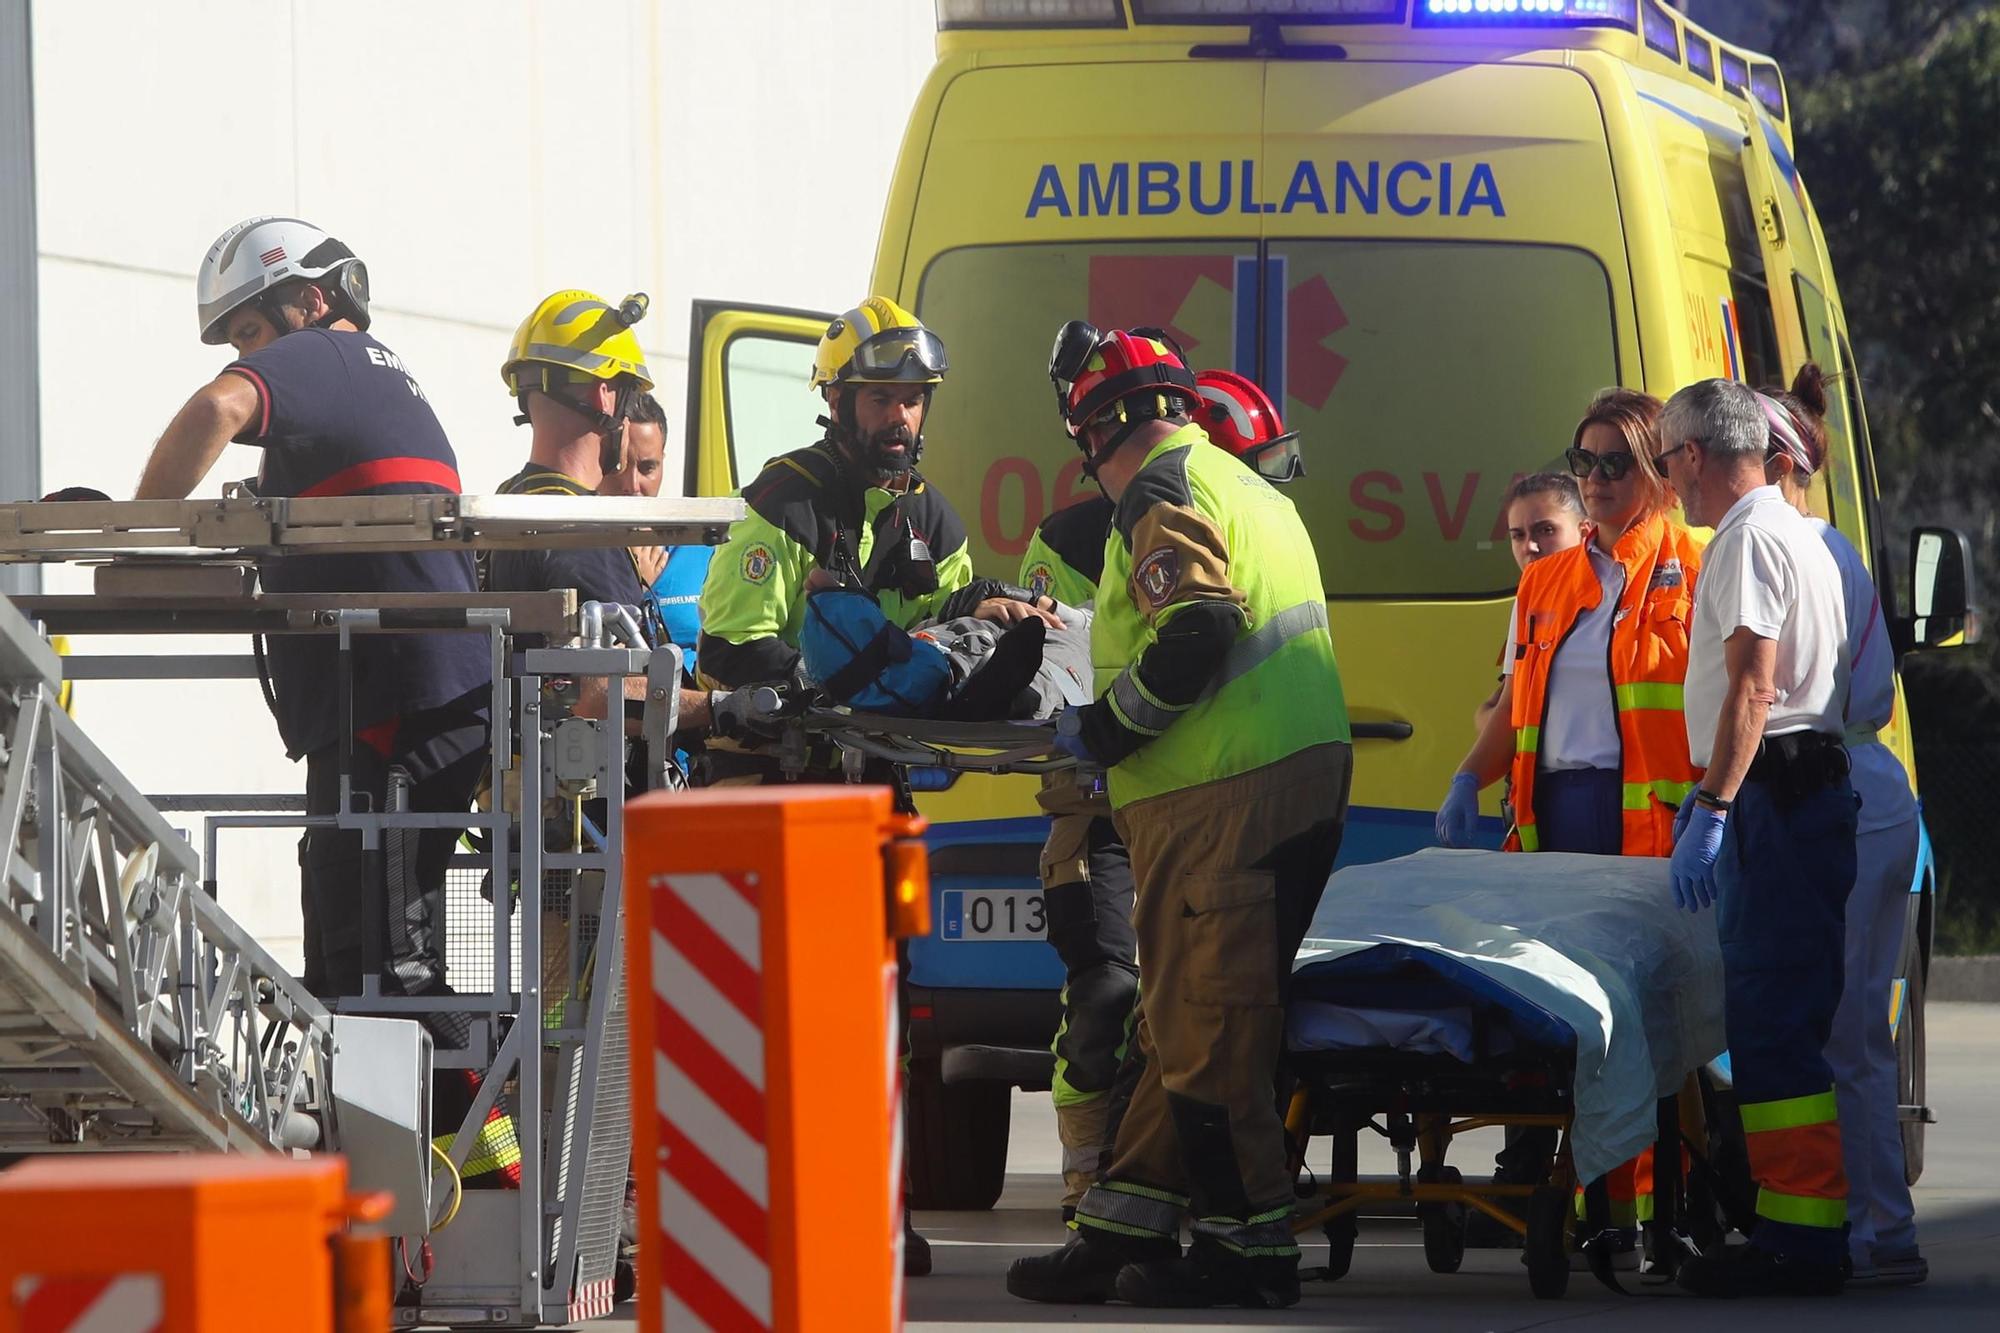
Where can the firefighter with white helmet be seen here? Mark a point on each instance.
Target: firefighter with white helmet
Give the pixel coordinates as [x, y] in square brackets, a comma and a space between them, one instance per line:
[334, 412]
[260, 266]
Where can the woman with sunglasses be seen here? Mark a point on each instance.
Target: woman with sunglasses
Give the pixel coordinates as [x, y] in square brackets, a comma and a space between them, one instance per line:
[1599, 749]
[1599, 744]
[1882, 1228]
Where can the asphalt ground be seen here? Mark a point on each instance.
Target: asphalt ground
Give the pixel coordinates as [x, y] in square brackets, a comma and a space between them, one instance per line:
[1391, 1288]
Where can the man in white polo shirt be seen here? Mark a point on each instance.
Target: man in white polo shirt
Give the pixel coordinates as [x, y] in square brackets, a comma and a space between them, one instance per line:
[1768, 836]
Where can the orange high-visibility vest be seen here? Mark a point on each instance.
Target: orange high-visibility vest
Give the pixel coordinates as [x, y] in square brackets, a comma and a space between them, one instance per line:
[1648, 664]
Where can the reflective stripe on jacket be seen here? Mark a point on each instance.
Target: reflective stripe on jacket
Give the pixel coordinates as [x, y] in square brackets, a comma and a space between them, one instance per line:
[1647, 666]
[1209, 528]
[806, 512]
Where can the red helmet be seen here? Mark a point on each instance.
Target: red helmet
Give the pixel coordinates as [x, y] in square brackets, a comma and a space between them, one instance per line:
[1094, 372]
[1240, 416]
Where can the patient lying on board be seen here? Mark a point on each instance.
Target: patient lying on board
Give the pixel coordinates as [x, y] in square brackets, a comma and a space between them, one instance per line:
[958, 667]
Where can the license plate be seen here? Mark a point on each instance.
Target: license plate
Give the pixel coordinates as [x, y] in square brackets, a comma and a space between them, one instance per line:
[991, 914]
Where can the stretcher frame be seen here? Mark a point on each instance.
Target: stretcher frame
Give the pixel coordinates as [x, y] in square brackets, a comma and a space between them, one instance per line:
[909, 742]
[1420, 1124]
[1422, 1102]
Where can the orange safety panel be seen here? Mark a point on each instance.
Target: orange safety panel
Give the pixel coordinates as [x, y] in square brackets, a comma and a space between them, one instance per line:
[183, 1243]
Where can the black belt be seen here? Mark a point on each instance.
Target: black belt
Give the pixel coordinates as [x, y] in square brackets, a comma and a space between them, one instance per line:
[1799, 763]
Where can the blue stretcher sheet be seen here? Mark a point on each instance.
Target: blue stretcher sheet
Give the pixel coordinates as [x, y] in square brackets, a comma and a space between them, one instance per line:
[1582, 949]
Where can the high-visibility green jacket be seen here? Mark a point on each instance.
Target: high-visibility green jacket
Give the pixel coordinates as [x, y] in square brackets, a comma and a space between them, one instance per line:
[1210, 642]
[1066, 554]
[808, 511]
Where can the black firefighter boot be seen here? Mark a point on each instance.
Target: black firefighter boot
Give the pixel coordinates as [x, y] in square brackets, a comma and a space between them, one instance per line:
[1210, 1275]
[1085, 1271]
[916, 1250]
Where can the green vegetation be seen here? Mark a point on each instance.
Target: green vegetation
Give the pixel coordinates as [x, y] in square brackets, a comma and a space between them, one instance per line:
[1897, 106]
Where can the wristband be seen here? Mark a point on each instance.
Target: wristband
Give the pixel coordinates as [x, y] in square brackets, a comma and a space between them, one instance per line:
[1703, 796]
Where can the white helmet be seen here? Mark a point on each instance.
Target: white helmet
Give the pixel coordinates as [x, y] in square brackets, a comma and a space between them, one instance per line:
[257, 254]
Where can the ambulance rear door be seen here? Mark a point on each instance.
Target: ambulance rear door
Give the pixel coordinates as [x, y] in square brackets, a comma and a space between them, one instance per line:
[1725, 224]
[1447, 286]
[748, 399]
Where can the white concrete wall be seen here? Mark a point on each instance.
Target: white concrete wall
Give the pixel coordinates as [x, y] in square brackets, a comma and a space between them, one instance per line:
[478, 154]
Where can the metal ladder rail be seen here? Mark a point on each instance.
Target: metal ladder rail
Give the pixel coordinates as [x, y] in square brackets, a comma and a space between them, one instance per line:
[133, 1010]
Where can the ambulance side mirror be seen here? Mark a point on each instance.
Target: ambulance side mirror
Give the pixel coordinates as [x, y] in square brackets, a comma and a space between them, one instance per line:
[1940, 588]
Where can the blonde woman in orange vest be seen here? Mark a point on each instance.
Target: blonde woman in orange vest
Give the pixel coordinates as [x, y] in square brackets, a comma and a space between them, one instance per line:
[1600, 755]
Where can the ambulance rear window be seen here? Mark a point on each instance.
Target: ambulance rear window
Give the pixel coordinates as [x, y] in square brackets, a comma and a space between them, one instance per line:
[1453, 369]
[1423, 377]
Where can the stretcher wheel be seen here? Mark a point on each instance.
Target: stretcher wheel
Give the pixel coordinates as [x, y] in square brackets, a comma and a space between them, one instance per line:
[1444, 1223]
[1340, 1236]
[1547, 1253]
[1343, 1168]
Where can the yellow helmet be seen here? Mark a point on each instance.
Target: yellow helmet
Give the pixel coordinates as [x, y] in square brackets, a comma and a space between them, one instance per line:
[573, 336]
[881, 342]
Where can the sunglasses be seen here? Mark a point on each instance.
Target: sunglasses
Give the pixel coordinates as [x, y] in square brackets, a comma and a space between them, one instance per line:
[1660, 459]
[1611, 467]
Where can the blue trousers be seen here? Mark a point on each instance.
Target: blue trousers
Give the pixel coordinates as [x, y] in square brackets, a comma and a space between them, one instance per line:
[1580, 810]
[1782, 882]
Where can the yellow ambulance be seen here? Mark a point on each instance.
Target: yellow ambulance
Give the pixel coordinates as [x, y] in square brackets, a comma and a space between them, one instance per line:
[1431, 229]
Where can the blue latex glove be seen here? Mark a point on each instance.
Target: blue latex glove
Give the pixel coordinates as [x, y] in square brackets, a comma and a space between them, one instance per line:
[1693, 866]
[1458, 817]
[1681, 815]
[1069, 737]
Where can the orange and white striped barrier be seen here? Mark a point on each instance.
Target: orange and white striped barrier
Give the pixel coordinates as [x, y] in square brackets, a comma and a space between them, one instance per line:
[188, 1243]
[766, 1090]
[113, 1303]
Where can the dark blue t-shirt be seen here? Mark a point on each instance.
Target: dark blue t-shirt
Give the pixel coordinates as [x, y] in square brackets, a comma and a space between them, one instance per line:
[597, 573]
[339, 415]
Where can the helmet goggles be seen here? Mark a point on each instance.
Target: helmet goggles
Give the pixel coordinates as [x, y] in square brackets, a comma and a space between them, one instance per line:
[1095, 371]
[1075, 342]
[1278, 460]
[913, 356]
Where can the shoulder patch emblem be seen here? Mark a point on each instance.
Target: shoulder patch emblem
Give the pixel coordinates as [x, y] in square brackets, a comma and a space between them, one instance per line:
[757, 563]
[1158, 575]
[1041, 577]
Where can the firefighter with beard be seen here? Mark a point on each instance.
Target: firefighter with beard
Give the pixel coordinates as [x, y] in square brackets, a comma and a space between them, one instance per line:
[852, 509]
[853, 506]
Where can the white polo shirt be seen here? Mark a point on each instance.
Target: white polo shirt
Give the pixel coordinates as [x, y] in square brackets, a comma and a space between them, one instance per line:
[1767, 571]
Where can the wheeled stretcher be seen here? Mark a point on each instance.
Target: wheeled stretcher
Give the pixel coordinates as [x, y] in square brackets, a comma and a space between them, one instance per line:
[1451, 991]
[793, 731]
[1438, 994]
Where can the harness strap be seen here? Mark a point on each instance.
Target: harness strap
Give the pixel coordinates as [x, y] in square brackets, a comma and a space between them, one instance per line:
[1140, 711]
[399, 471]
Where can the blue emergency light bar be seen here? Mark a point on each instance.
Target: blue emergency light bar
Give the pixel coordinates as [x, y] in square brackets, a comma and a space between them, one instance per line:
[1527, 14]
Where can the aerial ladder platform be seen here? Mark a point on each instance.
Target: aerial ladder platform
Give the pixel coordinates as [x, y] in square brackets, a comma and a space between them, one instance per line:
[136, 1014]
